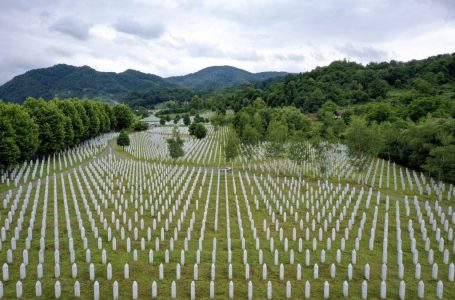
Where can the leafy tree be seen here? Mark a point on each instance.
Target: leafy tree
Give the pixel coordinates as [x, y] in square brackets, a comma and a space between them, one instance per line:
[277, 134]
[162, 121]
[363, 142]
[74, 128]
[192, 129]
[232, 145]
[361, 138]
[422, 106]
[83, 132]
[250, 136]
[175, 145]
[314, 100]
[111, 116]
[51, 122]
[9, 151]
[199, 131]
[140, 126]
[378, 88]
[124, 116]
[123, 139]
[25, 129]
[423, 86]
[380, 112]
[94, 123]
[186, 120]
[441, 163]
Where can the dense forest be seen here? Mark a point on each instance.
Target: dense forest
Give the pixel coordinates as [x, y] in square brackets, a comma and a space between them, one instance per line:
[38, 127]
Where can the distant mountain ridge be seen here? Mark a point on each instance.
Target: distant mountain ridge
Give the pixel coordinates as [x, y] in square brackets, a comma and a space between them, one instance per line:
[221, 76]
[66, 81]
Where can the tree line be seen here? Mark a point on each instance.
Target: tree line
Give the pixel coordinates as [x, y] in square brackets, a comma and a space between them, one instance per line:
[38, 127]
[427, 144]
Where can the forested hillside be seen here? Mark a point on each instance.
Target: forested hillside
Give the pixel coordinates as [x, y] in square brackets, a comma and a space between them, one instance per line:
[132, 87]
[83, 82]
[402, 111]
[216, 77]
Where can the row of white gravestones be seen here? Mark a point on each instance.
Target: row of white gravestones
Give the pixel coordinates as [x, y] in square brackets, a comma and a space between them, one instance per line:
[237, 206]
[212, 286]
[60, 161]
[152, 145]
[43, 230]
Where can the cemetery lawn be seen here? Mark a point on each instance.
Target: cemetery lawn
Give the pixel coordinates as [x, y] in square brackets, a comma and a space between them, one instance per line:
[138, 201]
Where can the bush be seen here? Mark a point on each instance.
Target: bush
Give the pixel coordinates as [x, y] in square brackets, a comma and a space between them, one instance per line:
[141, 126]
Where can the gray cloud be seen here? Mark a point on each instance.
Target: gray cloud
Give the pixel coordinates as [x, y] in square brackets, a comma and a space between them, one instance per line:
[180, 36]
[142, 30]
[203, 50]
[289, 57]
[364, 54]
[246, 55]
[73, 27]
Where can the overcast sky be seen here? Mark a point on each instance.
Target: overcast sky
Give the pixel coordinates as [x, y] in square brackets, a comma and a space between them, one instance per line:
[175, 37]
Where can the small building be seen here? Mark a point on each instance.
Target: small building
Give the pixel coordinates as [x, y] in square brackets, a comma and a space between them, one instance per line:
[152, 120]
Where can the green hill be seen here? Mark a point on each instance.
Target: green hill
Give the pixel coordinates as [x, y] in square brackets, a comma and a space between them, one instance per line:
[84, 82]
[65, 81]
[216, 77]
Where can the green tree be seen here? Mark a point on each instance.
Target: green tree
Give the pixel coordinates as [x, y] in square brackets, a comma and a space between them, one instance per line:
[124, 116]
[422, 106]
[108, 109]
[140, 126]
[378, 88]
[25, 129]
[277, 135]
[199, 131]
[123, 139]
[232, 145]
[82, 133]
[75, 131]
[51, 122]
[363, 142]
[441, 163]
[162, 121]
[94, 123]
[250, 136]
[423, 86]
[9, 151]
[175, 145]
[186, 120]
